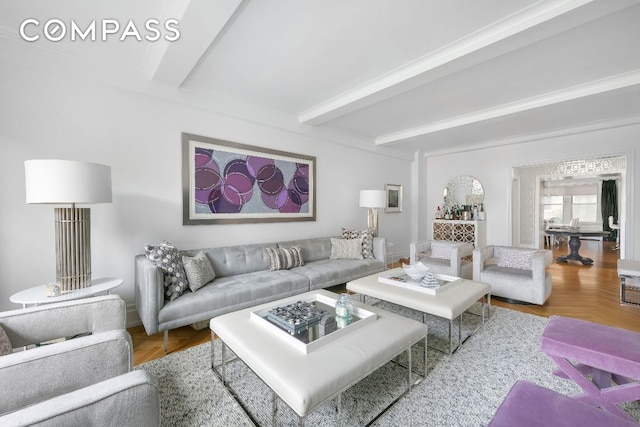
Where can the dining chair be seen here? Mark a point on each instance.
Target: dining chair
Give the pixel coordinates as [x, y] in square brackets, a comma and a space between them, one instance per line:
[553, 239]
[616, 227]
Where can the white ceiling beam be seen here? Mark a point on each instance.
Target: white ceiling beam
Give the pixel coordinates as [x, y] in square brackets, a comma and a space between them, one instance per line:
[201, 23]
[620, 81]
[431, 67]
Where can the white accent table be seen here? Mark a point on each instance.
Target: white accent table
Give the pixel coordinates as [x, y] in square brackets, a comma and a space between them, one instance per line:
[38, 294]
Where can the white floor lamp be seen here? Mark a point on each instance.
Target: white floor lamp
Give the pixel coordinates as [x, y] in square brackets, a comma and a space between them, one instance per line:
[373, 199]
[69, 182]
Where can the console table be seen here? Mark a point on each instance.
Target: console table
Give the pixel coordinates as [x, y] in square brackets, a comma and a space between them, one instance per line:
[460, 231]
[38, 294]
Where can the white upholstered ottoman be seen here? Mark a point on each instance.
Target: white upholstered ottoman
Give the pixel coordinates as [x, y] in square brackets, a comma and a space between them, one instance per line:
[304, 381]
[449, 304]
[629, 270]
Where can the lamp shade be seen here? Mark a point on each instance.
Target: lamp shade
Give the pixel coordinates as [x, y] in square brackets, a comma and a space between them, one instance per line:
[373, 198]
[67, 181]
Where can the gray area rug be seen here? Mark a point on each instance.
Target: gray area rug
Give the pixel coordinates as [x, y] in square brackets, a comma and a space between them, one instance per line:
[464, 389]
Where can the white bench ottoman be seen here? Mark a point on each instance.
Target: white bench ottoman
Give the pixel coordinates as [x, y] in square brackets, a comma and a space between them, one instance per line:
[304, 381]
[450, 304]
[628, 269]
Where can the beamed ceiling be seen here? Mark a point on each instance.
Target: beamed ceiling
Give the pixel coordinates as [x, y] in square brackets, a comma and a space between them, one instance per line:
[394, 76]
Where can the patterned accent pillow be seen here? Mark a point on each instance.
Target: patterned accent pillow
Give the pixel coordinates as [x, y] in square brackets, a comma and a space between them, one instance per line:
[168, 259]
[367, 240]
[513, 258]
[5, 344]
[284, 258]
[440, 251]
[199, 270]
[346, 249]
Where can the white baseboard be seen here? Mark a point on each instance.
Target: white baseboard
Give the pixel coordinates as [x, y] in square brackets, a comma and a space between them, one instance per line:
[132, 316]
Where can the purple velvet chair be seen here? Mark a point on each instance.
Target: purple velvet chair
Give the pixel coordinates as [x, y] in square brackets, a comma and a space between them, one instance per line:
[530, 405]
[603, 361]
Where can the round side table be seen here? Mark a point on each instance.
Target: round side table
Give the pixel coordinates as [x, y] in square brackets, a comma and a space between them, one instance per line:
[38, 294]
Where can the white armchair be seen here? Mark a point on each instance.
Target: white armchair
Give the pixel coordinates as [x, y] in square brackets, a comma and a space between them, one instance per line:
[514, 273]
[443, 257]
[74, 382]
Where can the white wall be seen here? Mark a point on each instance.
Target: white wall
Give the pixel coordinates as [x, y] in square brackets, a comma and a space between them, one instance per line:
[493, 167]
[139, 137]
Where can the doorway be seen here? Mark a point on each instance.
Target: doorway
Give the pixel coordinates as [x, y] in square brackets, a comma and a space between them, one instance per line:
[535, 182]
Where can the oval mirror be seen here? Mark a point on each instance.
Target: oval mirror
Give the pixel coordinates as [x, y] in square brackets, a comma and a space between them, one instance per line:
[463, 190]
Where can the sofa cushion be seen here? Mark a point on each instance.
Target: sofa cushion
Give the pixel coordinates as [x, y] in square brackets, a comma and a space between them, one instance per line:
[330, 272]
[367, 240]
[431, 262]
[169, 260]
[199, 270]
[284, 258]
[226, 294]
[241, 259]
[513, 257]
[346, 249]
[506, 273]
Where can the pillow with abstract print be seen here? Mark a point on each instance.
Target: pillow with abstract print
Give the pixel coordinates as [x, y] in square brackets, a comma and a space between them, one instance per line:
[168, 259]
[367, 240]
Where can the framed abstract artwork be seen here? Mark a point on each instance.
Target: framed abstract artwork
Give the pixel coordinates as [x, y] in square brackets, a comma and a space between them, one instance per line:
[229, 182]
[394, 198]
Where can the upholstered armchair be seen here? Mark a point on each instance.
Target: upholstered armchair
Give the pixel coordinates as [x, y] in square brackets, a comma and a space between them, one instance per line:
[443, 257]
[514, 273]
[51, 379]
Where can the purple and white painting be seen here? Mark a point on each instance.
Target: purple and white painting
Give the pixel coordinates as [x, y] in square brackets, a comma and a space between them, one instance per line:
[231, 182]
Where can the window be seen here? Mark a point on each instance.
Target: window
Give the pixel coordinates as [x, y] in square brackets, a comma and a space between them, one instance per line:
[585, 207]
[553, 207]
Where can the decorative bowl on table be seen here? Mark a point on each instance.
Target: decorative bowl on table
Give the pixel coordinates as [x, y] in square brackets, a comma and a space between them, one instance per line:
[416, 271]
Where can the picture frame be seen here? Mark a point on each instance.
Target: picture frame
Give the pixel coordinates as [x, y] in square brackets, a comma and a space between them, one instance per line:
[394, 198]
[225, 182]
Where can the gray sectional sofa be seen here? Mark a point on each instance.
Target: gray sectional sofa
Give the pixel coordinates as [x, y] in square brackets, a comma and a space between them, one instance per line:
[243, 279]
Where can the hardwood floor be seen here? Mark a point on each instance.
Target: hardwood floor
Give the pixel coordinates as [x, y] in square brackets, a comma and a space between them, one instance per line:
[584, 292]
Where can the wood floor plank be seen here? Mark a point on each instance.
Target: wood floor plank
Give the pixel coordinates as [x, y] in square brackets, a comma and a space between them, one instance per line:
[583, 292]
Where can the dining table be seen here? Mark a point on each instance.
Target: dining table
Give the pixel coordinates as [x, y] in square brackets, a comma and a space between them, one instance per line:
[574, 235]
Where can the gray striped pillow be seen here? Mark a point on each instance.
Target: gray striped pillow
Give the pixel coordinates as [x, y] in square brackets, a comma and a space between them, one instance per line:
[284, 258]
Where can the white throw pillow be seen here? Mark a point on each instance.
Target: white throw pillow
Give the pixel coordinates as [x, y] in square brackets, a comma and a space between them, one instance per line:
[513, 258]
[199, 270]
[346, 249]
[440, 251]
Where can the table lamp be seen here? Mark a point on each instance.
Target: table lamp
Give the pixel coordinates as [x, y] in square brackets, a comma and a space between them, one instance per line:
[373, 199]
[69, 182]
